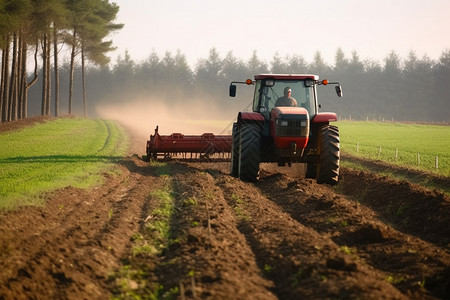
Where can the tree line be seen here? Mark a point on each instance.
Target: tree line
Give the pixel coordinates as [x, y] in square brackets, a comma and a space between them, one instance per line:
[401, 89]
[46, 28]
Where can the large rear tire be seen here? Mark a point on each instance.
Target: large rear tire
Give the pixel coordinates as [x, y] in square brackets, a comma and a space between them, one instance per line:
[328, 168]
[249, 152]
[235, 151]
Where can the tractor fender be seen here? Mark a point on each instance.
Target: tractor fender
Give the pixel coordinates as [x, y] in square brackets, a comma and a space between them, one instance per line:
[324, 117]
[250, 117]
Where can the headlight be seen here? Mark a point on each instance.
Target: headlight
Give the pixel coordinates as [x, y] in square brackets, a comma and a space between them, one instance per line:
[282, 123]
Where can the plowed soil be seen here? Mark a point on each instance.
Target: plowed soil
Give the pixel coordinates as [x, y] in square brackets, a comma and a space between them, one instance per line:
[283, 237]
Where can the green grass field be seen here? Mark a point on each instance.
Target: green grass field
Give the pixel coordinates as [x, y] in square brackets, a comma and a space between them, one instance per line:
[55, 154]
[400, 144]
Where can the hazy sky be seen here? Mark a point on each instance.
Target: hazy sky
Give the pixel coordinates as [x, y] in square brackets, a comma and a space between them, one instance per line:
[289, 27]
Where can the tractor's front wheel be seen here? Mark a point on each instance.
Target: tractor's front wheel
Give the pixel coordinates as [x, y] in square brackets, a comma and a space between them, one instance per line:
[235, 151]
[328, 167]
[249, 152]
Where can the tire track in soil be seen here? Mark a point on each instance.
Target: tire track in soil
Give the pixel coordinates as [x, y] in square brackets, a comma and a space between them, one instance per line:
[405, 259]
[419, 235]
[386, 257]
[67, 249]
[411, 208]
[211, 259]
[301, 262]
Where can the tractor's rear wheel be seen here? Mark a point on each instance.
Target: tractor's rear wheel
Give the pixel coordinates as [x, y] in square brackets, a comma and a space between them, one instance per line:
[328, 167]
[235, 151]
[249, 152]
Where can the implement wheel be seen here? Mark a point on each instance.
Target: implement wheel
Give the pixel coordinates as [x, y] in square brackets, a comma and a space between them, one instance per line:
[328, 168]
[249, 152]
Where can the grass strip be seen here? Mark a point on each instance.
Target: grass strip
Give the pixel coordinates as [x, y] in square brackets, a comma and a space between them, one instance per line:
[57, 154]
[409, 145]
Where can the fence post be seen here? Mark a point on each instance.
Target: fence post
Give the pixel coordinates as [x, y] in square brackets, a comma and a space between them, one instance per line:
[418, 158]
[396, 154]
[437, 163]
[379, 152]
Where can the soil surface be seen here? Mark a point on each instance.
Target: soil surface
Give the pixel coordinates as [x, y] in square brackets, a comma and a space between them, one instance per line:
[283, 237]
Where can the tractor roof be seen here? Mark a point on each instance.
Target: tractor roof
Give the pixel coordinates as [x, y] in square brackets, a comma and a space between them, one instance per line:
[287, 76]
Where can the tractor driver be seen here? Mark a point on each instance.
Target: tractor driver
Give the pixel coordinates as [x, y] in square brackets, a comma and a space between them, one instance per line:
[286, 100]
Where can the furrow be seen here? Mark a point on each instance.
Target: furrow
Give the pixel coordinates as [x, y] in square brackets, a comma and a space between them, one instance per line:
[301, 262]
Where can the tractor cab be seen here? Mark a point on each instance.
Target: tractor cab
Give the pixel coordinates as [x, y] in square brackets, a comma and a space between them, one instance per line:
[280, 92]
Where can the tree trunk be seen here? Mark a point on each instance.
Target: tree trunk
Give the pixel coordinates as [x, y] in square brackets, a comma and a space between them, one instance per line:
[22, 75]
[71, 71]
[5, 81]
[55, 66]
[83, 79]
[1, 86]
[49, 78]
[13, 102]
[44, 76]
[33, 81]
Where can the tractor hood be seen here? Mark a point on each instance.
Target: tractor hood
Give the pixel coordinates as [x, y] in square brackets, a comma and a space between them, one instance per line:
[287, 112]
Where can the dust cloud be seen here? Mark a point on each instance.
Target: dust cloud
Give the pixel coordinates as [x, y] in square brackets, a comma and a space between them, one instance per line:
[141, 116]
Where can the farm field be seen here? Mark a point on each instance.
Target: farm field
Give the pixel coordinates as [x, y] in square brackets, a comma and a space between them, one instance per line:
[56, 154]
[419, 146]
[190, 231]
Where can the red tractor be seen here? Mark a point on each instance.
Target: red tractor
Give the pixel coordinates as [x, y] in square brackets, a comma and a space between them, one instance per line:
[286, 127]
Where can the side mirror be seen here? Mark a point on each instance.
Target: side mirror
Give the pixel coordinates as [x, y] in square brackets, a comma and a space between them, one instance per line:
[232, 90]
[339, 91]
